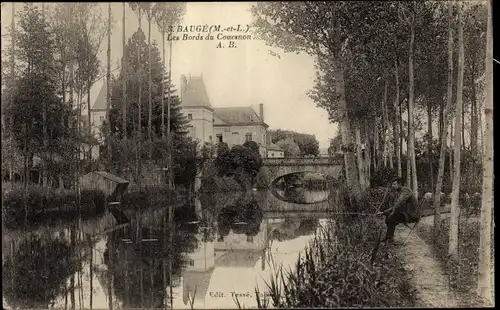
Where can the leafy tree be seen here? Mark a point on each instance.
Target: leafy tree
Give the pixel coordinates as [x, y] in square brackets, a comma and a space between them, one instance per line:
[247, 159]
[484, 282]
[475, 18]
[290, 148]
[453, 237]
[252, 145]
[222, 147]
[40, 118]
[224, 161]
[307, 144]
[335, 145]
[183, 148]
[166, 15]
[320, 29]
[242, 161]
[28, 287]
[158, 77]
[91, 30]
[184, 157]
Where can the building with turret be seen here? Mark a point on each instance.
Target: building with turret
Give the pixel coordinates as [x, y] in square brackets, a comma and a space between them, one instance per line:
[208, 124]
[211, 125]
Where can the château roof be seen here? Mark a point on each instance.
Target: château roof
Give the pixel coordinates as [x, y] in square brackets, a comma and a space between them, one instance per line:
[195, 94]
[238, 116]
[100, 102]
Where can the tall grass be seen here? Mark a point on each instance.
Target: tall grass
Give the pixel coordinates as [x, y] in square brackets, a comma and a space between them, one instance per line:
[343, 266]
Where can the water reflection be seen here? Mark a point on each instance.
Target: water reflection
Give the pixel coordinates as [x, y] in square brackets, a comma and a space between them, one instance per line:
[301, 195]
[219, 247]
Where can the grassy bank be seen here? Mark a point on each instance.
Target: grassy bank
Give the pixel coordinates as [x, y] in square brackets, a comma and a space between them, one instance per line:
[345, 266]
[462, 271]
[37, 205]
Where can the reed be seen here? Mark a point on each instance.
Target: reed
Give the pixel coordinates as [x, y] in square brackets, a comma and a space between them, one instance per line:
[343, 266]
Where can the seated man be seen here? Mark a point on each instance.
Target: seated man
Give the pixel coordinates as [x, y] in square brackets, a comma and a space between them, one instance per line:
[405, 210]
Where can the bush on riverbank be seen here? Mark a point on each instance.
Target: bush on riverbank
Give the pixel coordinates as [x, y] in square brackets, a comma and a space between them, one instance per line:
[213, 181]
[345, 266]
[462, 271]
[149, 197]
[45, 204]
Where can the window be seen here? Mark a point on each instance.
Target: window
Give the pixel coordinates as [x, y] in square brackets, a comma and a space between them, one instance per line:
[190, 116]
[236, 139]
[219, 138]
[272, 154]
[191, 262]
[248, 137]
[191, 132]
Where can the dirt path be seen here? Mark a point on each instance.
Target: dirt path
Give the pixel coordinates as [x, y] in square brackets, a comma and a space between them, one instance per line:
[427, 276]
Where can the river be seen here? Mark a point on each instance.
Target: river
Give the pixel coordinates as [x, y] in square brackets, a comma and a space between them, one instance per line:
[221, 247]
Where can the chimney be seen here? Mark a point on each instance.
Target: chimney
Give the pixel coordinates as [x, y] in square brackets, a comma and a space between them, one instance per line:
[261, 111]
[183, 85]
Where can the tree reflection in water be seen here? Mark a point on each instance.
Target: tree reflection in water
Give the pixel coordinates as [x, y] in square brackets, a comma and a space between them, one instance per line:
[242, 218]
[38, 271]
[293, 228]
[139, 265]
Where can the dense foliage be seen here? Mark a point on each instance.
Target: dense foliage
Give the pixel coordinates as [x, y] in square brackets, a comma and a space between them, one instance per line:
[37, 205]
[290, 140]
[232, 169]
[25, 286]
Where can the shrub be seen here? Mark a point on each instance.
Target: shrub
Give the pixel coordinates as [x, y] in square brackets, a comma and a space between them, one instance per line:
[45, 204]
[213, 181]
[383, 176]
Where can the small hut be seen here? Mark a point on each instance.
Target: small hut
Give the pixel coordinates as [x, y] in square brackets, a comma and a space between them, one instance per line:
[112, 185]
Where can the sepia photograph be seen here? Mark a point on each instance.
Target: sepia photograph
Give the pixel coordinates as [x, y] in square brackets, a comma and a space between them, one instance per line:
[230, 155]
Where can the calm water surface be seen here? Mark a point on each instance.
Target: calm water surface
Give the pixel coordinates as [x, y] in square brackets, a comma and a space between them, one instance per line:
[220, 246]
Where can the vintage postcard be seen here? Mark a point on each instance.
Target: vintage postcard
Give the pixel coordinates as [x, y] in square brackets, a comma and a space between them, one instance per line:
[228, 155]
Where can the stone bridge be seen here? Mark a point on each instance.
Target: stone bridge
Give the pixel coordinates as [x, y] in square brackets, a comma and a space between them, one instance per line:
[275, 168]
[275, 208]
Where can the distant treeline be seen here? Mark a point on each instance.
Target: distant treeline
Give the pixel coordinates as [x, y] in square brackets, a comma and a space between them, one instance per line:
[295, 144]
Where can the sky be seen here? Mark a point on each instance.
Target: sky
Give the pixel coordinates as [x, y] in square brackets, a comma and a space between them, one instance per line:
[243, 76]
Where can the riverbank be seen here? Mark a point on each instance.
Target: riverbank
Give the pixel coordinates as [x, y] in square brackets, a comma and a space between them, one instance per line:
[461, 273]
[345, 266]
[37, 205]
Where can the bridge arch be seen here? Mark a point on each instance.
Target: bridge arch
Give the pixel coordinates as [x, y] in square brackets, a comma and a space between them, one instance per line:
[274, 168]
